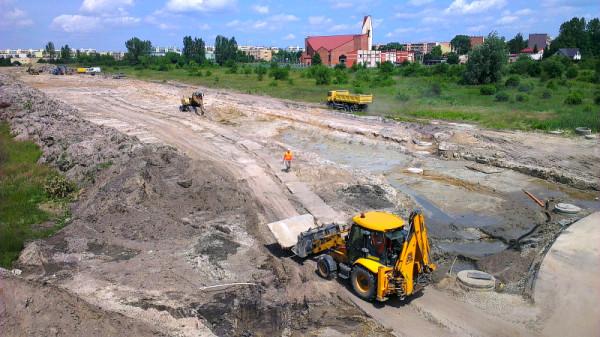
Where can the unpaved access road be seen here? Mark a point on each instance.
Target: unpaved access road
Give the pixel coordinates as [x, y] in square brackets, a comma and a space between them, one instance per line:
[338, 155]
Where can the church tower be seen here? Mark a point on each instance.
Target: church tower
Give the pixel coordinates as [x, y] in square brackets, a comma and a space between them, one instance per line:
[367, 28]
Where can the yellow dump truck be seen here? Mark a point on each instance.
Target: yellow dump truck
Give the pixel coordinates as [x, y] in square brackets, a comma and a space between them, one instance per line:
[344, 100]
[81, 70]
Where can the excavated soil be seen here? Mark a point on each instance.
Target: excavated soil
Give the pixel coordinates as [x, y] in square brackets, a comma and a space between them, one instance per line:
[160, 223]
[150, 228]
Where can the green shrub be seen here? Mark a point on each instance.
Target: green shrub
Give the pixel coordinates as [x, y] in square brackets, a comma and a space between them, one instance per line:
[402, 97]
[512, 81]
[552, 68]
[597, 97]
[487, 90]
[435, 89]
[525, 87]
[321, 74]
[208, 73]
[57, 186]
[341, 76]
[522, 98]
[571, 72]
[547, 94]
[574, 98]
[551, 85]
[163, 67]
[502, 97]
[273, 83]
[290, 81]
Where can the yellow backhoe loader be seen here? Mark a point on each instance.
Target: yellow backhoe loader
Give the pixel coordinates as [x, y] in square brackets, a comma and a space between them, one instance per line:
[379, 253]
[193, 103]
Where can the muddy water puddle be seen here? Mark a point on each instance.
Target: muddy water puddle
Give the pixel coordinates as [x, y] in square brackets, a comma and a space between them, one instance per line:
[453, 207]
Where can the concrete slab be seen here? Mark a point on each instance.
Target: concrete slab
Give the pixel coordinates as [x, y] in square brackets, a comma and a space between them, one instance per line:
[568, 283]
[286, 231]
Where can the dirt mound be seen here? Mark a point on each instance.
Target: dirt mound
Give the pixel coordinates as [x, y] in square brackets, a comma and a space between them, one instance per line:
[31, 309]
[152, 227]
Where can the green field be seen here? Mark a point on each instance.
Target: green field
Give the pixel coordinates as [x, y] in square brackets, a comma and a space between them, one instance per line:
[534, 104]
[27, 209]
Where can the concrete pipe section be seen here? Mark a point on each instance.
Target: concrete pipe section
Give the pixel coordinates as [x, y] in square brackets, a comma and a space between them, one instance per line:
[476, 280]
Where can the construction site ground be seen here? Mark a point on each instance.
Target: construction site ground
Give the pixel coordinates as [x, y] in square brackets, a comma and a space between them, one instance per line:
[158, 236]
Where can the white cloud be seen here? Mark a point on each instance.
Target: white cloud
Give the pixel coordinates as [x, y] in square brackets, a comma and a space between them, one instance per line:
[233, 23]
[476, 29]
[259, 24]
[11, 17]
[283, 18]
[318, 20]
[261, 9]
[507, 19]
[289, 37]
[376, 23]
[204, 26]
[76, 23]
[200, 5]
[121, 20]
[87, 23]
[473, 7]
[339, 28]
[96, 6]
[524, 11]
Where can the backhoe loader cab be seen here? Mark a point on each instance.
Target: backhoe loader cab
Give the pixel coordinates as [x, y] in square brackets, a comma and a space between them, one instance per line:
[381, 256]
[193, 103]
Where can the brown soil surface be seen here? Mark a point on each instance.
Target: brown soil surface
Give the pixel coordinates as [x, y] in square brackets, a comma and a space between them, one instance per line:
[184, 203]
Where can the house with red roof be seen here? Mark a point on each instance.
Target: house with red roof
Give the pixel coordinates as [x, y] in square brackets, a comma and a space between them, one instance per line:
[336, 49]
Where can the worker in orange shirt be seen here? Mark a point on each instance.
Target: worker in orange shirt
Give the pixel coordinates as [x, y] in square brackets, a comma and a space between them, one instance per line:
[287, 160]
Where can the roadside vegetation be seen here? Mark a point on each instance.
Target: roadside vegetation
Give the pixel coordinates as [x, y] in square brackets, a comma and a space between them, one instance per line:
[34, 198]
[555, 93]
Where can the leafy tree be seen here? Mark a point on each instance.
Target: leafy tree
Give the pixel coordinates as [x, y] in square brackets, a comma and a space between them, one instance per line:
[486, 61]
[226, 49]
[461, 44]
[392, 46]
[194, 49]
[137, 48]
[452, 58]
[50, 51]
[593, 31]
[65, 53]
[552, 68]
[436, 52]
[516, 44]
[573, 34]
[316, 59]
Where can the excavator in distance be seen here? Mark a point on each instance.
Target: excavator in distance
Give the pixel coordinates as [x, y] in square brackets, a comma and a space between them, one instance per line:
[381, 254]
[193, 103]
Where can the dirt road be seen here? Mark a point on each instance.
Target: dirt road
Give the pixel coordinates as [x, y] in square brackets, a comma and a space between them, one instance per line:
[357, 163]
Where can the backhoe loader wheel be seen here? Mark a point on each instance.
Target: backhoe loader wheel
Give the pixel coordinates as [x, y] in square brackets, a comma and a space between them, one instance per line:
[363, 283]
[326, 266]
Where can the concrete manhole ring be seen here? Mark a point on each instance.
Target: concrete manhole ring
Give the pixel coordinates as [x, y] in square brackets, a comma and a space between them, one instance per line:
[476, 280]
[583, 131]
[567, 208]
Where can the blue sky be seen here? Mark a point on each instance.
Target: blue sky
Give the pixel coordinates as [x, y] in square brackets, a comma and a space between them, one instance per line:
[106, 24]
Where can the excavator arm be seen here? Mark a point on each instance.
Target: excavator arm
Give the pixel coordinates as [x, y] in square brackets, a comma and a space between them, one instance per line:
[414, 261]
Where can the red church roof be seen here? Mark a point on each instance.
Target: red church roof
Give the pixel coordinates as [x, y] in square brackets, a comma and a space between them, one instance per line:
[328, 42]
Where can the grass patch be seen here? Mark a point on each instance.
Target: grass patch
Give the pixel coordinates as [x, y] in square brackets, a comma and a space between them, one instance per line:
[22, 191]
[419, 96]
